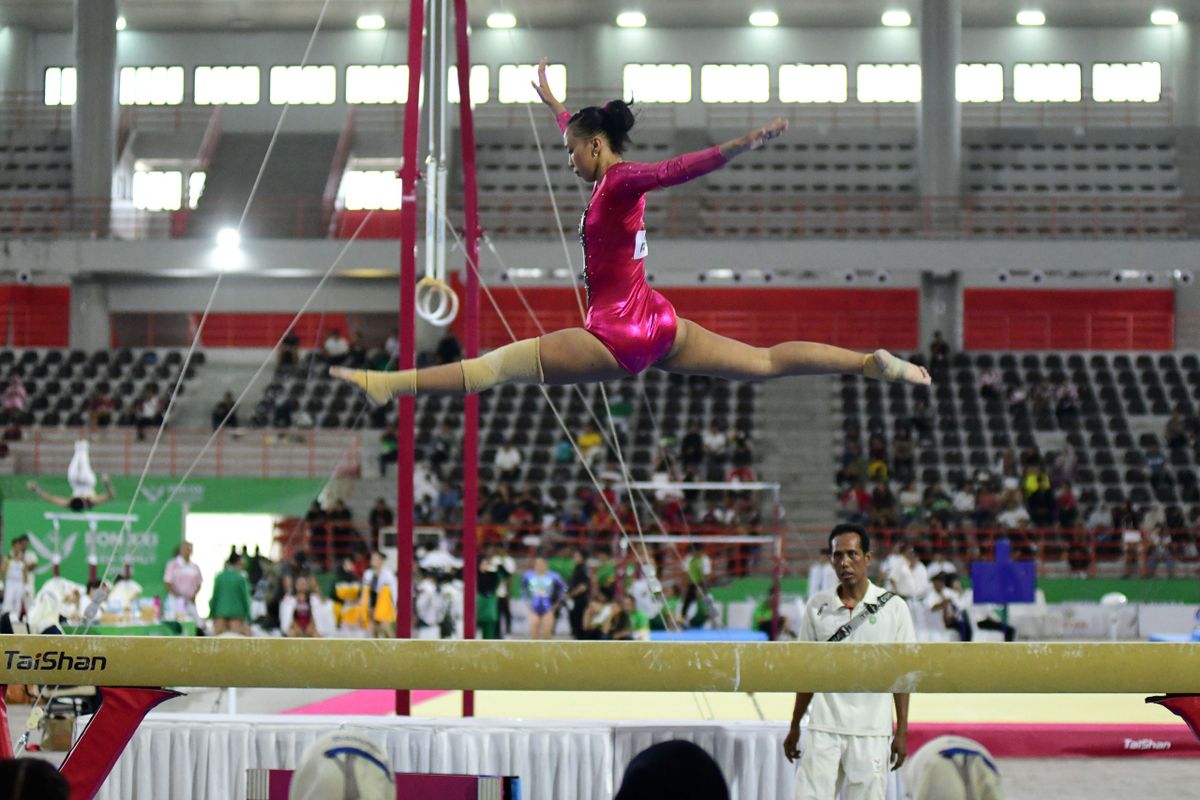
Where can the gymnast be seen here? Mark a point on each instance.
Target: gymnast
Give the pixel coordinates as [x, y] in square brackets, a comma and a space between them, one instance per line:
[629, 326]
[83, 484]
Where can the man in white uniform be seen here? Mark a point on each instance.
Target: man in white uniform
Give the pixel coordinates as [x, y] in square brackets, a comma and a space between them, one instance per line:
[847, 746]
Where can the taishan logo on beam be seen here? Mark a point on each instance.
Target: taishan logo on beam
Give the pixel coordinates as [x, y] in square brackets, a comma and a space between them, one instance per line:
[53, 660]
[1146, 744]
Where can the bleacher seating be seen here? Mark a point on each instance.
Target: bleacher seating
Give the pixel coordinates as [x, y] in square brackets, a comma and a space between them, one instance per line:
[520, 414]
[1124, 401]
[35, 181]
[60, 383]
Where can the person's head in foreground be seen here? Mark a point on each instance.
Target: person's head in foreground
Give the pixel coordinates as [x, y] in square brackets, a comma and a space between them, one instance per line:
[850, 547]
[953, 768]
[343, 766]
[675, 770]
[31, 779]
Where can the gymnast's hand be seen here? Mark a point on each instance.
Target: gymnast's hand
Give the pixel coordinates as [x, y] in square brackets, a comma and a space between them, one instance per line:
[542, 87]
[760, 137]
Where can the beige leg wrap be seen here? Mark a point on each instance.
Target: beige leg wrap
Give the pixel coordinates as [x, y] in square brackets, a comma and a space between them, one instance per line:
[883, 366]
[519, 362]
[380, 386]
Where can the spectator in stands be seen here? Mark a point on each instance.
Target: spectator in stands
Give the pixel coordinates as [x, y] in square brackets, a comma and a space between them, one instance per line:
[1041, 398]
[224, 409]
[16, 399]
[847, 746]
[508, 462]
[920, 421]
[1098, 518]
[149, 411]
[335, 350]
[100, 409]
[449, 503]
[987, 503]
[1176, 431]
[740, 473]
[1066, 404]
[1066, 505]
[716, 444]
[388, 447]
[182, 579]
[1014, 516]
[939, 354]
[936, 503]
[356, 355]
[883, 506]
[1063, 465]
[289, 351]
[446, 442]
[342, 520]
[989, 382]
[579, 588]
[946, 604]
[448, 349]
[1018, 398]
[910, 504]
[381, 516]
[300, 599]
[1039, 498]
[854, 464]
[1156, 467]
[855, 504]
[283, 411]
[564, 453]
[590, 444]
[742, 455]
[962, 505]
[229, 607]
[317, 522]
[903, 460]
[1157, 542]
[620, 409]
[1079, 557]
[691, 448]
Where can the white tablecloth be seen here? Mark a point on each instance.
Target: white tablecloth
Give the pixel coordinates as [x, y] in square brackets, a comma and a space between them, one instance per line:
[205, 756]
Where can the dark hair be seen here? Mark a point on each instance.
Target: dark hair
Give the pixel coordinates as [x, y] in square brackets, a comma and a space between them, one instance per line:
[29, 778]
[614, 120]
[863, 537]
[670, 770]
[78, 504]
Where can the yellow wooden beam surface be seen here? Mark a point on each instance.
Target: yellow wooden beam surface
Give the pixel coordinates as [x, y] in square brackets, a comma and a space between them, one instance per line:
[600, 666]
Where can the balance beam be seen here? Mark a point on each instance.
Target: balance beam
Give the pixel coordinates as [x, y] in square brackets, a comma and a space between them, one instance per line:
[600, 666]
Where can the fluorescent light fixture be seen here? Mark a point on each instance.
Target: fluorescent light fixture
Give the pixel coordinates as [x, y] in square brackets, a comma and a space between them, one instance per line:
[720, 274]
[229, 239]
[371, 22]
[896, 18]
[764, 19]
[525, 272]
[1031, 18]
[1164, 16]
[120, 23]
[501, 19]
[631, 19]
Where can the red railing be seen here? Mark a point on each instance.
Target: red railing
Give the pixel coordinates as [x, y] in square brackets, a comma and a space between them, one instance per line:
[235, 452]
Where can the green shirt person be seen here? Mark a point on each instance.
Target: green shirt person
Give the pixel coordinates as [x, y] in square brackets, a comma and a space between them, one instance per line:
[229, 607]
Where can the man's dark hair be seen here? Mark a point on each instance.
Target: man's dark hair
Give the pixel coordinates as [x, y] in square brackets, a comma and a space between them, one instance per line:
[670, 770]
[863, 537]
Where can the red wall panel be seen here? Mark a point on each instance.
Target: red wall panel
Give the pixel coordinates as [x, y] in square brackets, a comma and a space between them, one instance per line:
[264, 330]
[380, 225]
[35, 316]
[862, 319]
[1068, 319]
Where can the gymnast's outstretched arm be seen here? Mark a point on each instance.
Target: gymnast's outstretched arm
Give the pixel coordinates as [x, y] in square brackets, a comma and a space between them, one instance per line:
[61, 502]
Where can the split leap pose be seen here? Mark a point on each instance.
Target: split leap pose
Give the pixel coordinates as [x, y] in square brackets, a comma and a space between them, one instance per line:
[629, 326]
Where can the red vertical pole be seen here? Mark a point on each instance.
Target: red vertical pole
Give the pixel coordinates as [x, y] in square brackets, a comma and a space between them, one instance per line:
[470, 538]
[407, 334]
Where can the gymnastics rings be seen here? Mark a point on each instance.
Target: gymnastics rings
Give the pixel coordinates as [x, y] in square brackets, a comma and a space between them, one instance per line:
[436, 302]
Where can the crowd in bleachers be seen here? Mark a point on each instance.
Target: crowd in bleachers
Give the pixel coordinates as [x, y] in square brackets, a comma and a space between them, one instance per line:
[1029, 447]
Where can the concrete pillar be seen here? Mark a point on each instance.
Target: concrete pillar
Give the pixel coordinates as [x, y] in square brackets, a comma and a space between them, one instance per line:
[1182, 77]
[91, 327]
[94, 118]
[15, 46]
[939, 126]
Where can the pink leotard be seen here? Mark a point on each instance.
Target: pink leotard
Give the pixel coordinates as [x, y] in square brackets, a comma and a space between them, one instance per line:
[636, 323]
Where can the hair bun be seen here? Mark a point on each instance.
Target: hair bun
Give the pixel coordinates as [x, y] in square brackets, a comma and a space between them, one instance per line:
[619, 114]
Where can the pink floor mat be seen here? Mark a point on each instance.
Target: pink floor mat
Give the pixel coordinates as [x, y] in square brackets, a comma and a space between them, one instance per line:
[364, 701]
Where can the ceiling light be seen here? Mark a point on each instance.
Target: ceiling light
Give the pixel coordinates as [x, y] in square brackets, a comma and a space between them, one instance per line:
[229, 239]
[631, 19]
[1164, 16]
[501, 19]
[764, 19]
[1031, 18]
[120, 23]
[896, 18]
[371, 22]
